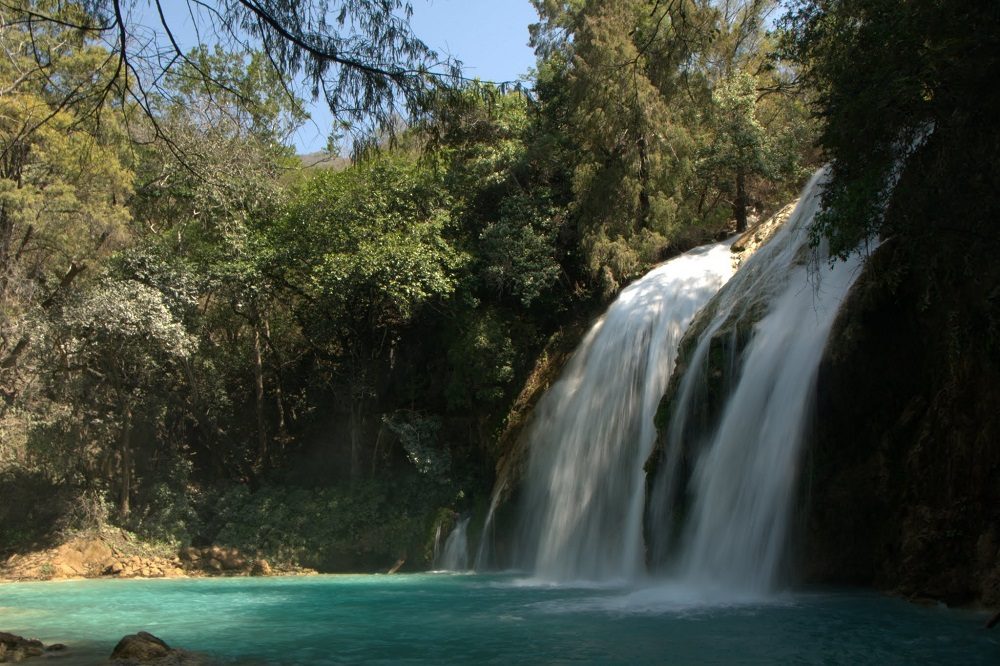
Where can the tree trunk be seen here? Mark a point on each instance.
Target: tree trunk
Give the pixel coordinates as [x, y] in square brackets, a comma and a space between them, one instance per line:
[643, 213]
[258, 371]
[378, 445]
[357, 407]
[126, 467]
[279, 396]
[6, 240]
[741, 202]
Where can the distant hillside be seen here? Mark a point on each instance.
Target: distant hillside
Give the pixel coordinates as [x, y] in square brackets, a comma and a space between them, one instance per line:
[323, 160]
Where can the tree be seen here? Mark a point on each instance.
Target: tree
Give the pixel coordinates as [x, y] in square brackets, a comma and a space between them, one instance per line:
[894, 79]
[118, 353]
[358, 54]
[64, 180]
[758, 129]
[630, 81]
[362, 252]
[500, 178]
[205, 215]
[743, 148]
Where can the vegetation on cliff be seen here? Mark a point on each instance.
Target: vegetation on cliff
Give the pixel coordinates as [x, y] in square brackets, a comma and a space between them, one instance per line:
[904, 475]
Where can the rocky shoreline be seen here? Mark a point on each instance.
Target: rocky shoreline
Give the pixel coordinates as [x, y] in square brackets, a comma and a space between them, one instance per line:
[14, 649]
[133, 649]
[116, 554]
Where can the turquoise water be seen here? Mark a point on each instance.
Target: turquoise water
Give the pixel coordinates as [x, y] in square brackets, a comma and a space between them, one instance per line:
[440, 618]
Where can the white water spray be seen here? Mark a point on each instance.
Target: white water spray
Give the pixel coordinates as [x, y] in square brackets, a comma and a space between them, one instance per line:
[593, 430]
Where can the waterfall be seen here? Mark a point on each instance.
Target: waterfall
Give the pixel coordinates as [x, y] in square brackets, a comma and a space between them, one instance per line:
[593, 430]
[737, 502]
[725, 479]
[437, 545]
[455, 556]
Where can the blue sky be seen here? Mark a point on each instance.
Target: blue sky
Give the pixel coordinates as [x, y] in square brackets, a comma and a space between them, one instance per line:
[490, 37]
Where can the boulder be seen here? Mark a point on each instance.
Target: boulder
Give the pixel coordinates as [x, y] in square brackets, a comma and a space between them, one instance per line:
[69, 561]
[15, 648]
[145, 648]
[190, 554]
[260, 568]
[95, 551]
[234, 562]
[67, 570]
[140, 647]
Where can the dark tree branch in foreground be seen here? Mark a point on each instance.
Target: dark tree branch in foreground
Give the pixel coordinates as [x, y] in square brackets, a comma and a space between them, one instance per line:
[359, 55]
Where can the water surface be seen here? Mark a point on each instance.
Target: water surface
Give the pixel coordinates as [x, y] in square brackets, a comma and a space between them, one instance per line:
[443, 618]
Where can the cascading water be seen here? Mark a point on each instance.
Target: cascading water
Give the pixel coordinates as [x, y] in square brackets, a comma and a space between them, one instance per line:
[723, 519]
[437, 545]
[593, 430]
[738, 500]
[455, 556]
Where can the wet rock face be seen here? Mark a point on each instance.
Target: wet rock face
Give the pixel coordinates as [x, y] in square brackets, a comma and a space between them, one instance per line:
[903, 480]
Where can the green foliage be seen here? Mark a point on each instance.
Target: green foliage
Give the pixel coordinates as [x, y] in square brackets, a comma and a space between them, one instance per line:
[64, 178]
[482, 362]
[888, 74]
[362, 528]
[517, 250]
[368, 246]
[118, 365]
[662, 108]
[502, 191]
[359, 56]
[419, 436]
[126, 316]
[628, 118]
[187, 320]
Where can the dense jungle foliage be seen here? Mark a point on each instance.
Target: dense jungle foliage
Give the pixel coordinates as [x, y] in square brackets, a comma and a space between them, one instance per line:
[201, 341]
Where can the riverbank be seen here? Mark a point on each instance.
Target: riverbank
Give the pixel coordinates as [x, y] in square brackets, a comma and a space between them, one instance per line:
[115, 553]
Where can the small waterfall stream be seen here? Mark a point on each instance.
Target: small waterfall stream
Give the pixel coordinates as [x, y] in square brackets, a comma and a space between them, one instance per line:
[455, 556]
[593, 430]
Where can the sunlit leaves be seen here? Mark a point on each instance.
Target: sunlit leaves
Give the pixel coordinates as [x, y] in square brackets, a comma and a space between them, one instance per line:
[368, 244]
